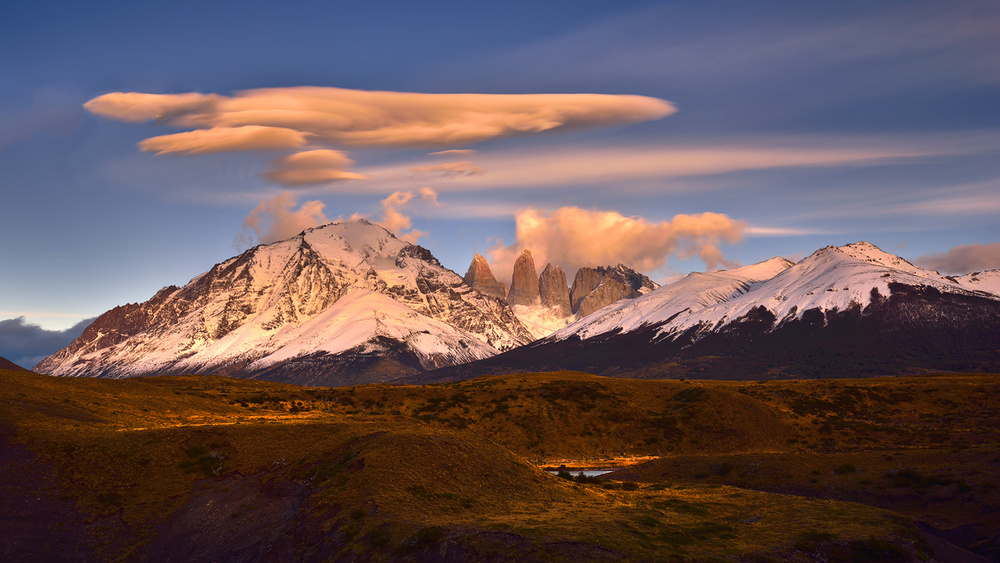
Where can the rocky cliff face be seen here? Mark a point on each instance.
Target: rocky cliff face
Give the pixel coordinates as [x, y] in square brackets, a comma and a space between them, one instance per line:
[596, 288]
[524, 282]
[607, 292]
[587, 279]
[480, 277]
[344, 292]
[553, 290]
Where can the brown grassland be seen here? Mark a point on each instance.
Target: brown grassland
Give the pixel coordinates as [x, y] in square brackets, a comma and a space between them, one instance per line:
[209, 468]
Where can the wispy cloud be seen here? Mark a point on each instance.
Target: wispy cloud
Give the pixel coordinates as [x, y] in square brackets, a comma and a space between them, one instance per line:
[454, 152]
[758, 62]
[757, 231]
[572, 166]
[449, 169]
[971, 199]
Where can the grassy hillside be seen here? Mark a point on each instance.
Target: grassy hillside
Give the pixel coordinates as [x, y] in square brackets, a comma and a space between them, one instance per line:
[202, 468]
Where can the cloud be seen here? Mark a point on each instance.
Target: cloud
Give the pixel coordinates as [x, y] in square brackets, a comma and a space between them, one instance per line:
[136, 107]
[573, 166]
[342, 117]
[449, 169]
[312, 167]
[225, 139]
[27, 344]
[395, 221]
[963, 259]
[572, 237]
[454, 152]
[277, 219]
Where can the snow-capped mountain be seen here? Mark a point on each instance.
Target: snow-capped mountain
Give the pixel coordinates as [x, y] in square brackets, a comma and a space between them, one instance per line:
[843, 311]
[695, 291]
[987, 280]
[831, 279]
[295, 310]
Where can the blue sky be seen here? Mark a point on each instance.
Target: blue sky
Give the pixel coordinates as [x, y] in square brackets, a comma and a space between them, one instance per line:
[802, 124]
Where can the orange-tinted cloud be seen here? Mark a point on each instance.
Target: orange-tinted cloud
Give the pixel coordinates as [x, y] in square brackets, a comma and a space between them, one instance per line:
[136, 107]
[277, 219]
[574, 166]
[572, 237]
[449, 169]
[964, 259]
[225, 139]
[393, 218]
[454, 152]
[312, 167]
[344, 117]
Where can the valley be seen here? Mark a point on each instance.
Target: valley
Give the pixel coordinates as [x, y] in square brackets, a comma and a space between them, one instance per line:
[198, 467]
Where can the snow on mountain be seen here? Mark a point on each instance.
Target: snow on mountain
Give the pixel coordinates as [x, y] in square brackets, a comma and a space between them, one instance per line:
[540, 320]
[831, 279]
[348, 286]
[694, 292]
[987, 280]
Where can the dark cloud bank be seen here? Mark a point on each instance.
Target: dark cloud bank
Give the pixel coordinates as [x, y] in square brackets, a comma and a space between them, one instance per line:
[27, 344]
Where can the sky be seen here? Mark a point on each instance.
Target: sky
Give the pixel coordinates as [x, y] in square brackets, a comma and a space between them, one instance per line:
[142, 143]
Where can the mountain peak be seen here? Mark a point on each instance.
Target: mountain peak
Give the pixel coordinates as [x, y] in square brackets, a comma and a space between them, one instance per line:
[524, 281]
[480, 277]
[325, 295]
[554, 291]
[868, 252]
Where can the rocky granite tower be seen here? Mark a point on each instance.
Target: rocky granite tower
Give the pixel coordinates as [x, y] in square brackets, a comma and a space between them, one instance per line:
[595, 288]
[553, 290]
[524, 282]
[480, 278]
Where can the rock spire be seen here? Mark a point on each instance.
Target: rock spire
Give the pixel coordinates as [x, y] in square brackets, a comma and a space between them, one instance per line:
[553, 290]
[480, 278]
[524, 282]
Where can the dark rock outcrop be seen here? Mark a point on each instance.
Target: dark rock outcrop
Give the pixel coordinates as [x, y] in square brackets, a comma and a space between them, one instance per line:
[524, 282]
[587, 279]
[553, 290]
[480, 278]
[594, 288]
[607, 292]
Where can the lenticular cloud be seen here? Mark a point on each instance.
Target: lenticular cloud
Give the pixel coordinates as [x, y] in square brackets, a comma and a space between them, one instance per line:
[382, 119]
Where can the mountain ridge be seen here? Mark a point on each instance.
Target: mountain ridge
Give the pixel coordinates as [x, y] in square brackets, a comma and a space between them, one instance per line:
[842, 311]
[276, 302]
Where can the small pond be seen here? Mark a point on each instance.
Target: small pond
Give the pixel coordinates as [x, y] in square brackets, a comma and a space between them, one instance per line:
[586, 472]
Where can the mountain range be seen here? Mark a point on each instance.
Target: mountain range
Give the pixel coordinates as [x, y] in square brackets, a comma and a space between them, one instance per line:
[350, 303]
[853, 310]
